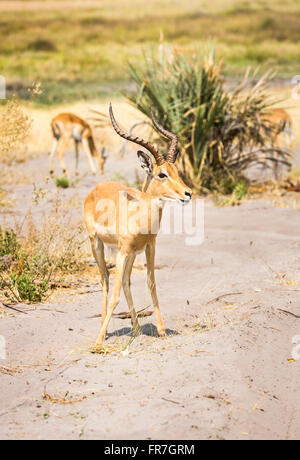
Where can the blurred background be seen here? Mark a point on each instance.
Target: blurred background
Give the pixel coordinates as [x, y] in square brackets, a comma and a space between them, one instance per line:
[70, 56]
[80, 49]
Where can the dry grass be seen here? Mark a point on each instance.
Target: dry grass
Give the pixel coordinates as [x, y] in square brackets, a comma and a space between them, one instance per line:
[64, 399]
[41, 252]
[9, 370]
[14, 130]
[4, 202]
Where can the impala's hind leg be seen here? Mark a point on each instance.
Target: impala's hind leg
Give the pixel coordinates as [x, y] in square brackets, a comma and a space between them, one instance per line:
[115, 298]
[127, 292]
[77, 156]
[88, 154]
[98, 251]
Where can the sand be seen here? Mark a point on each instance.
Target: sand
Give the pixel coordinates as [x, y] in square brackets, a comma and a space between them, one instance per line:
[226, 368]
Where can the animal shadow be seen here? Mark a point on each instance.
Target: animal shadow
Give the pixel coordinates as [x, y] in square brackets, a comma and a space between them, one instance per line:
[146, 329]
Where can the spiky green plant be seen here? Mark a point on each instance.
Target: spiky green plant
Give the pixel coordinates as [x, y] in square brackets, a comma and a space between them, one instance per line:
[221, 132]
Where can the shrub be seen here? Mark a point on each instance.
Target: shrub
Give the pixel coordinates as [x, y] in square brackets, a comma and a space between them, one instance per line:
[41, 45]
[14, 129]
[62, 182]
[9, 244]
[220, 132]
[36, 253]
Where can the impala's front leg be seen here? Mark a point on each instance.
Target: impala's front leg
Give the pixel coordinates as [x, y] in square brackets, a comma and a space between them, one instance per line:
[115, 298]
[150, 257]
[52, 154]
[60, 152]
[77, 156]
[127, 292]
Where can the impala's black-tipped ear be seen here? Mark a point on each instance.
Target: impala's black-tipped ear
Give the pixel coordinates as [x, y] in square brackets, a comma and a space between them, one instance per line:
[145, 161]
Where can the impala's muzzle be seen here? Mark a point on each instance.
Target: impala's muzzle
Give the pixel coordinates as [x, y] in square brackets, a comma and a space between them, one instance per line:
[187, 198]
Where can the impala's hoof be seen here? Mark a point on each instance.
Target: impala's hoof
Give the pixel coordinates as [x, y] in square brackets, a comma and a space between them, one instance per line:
[162, 333]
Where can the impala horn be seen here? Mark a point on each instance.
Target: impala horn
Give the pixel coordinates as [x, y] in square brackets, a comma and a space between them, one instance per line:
[172, 152]
[137, 140]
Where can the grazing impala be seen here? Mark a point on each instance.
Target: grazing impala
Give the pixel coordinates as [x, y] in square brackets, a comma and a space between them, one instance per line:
[66, 126]
[282, 122]
[111, 204]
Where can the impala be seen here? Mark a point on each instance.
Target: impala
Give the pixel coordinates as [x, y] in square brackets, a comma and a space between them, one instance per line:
[111, 204]
[66, 126]
[282, 124]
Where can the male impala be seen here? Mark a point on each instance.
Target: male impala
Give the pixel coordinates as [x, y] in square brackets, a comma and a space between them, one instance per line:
[111, 204]
[66, 126]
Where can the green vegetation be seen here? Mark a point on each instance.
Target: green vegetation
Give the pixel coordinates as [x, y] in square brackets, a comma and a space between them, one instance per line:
[221, 133]
[62, 182]
[33, 259]
[81, 52]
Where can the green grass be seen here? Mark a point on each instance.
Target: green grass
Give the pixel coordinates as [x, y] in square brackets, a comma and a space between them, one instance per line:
[82, 52]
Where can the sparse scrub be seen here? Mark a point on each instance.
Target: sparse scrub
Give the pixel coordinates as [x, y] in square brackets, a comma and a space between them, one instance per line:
[32, 256]
[221, 133]
[14, 130]
[62, 182]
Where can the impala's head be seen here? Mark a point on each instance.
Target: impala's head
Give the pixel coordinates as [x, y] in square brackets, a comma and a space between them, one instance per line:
[162, 180]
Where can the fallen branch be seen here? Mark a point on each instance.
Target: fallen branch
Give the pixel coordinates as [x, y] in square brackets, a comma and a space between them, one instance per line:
[216, 299]
[289, 313]
[171, 401]
[14, 308]
[126, 314]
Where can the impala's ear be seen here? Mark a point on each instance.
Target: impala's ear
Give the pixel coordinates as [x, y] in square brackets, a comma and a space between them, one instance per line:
[146, 162]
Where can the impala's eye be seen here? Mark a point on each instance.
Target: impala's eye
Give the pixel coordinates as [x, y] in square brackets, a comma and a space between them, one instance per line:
[162, 175]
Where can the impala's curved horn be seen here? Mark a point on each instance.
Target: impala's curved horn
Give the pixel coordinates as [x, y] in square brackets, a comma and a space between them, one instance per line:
[172, 152]
[137, 140]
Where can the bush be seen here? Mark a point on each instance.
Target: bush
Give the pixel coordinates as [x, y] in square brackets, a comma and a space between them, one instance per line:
[9, 244]
[14, 129]
[41, 45]
[220, 132]
[62, 182]
[33, 255]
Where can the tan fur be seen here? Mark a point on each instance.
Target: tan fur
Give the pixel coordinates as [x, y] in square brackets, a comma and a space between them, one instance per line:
[112, 232]
[66, 126]
[282, 122]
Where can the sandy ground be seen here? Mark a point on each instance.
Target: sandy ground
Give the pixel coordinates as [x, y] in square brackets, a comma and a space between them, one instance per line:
[225, 369]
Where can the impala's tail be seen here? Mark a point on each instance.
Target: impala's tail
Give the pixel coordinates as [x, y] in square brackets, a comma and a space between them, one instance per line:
[55, 130]
[92, 146]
